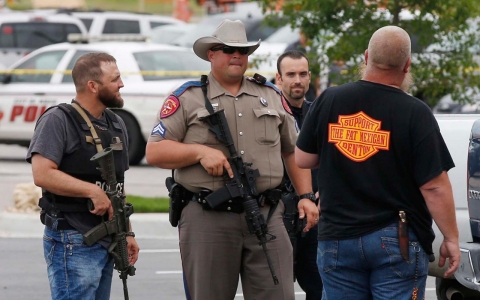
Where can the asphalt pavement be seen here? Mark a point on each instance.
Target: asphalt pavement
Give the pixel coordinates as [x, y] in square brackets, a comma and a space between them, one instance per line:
[22, 232]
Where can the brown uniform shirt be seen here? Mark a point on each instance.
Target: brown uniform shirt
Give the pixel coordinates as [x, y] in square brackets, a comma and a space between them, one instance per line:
[260, 126]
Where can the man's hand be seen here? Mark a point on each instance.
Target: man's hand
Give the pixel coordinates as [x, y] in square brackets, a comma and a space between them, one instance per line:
[308, 209]
[133, 249]
[101, 203]
[214, 161]
[450, 250]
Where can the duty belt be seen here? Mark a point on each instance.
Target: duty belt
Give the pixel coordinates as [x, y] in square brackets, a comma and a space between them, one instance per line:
[268, 197]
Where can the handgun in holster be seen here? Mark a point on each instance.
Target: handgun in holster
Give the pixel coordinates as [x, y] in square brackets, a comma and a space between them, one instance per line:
[179, 198]
[403, 240]
[292, 223]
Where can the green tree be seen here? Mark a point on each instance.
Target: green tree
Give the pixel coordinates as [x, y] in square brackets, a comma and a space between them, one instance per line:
[341, 29]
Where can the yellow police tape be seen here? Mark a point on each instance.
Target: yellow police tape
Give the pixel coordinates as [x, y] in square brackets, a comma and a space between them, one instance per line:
[143, 73]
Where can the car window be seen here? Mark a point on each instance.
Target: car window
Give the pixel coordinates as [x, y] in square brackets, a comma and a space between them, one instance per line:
[154, 24]
[154, 63]
[87, 22]
[34, 35]
[121, 26]
[39, 68]
[67, 76]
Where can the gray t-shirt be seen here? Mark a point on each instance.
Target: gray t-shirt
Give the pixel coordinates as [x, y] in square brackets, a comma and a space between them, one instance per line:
[55, 137]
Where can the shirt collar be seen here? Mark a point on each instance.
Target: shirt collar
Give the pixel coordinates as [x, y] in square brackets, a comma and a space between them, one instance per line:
[217, 90]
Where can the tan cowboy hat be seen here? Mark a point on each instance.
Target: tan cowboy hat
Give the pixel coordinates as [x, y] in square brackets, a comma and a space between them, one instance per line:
[230, 33]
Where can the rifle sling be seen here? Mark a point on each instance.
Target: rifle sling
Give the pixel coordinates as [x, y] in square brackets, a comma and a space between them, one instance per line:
[94, 139]
[208, 105]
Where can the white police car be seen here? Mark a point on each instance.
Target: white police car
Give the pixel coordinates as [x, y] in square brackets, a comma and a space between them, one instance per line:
[108, 22]
[43, 78]
[23, 32]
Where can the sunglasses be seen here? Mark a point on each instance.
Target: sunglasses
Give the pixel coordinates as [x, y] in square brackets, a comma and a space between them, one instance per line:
[231, 50]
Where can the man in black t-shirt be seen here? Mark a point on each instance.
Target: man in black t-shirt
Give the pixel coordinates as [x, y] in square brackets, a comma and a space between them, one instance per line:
[60, 153]
[382, 165]
[293, 77]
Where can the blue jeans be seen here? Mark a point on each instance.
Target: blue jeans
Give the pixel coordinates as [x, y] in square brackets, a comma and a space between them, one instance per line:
[371, 267]
[76, 271]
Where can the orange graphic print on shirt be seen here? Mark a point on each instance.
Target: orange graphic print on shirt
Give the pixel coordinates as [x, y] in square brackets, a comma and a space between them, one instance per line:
[358, 136]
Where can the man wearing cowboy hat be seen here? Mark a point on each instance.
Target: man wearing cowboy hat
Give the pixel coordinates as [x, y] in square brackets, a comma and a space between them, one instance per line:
[215, 244]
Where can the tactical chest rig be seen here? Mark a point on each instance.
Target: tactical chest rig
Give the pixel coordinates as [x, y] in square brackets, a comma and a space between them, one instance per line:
[56, 204]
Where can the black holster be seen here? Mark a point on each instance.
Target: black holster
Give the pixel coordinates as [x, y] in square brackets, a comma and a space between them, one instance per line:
[52, 217]
[179, 198]
[290, 218]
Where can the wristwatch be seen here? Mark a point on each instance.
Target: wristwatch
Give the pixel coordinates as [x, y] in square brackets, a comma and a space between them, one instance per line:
[310, 196]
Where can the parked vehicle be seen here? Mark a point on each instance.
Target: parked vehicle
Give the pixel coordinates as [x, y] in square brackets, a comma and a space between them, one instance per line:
[264, 59]
[468, 274]
[42, 79]
[456, 131]
[21, 33]
[107, 22]
[446, 105]
[168, 34]
[252, 19]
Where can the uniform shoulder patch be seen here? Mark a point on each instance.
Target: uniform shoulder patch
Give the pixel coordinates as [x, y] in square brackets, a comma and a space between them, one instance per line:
[169, 107]
[285, 105]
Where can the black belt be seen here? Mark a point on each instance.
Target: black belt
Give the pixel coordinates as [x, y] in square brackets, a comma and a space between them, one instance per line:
[55, 223]
[270, 197]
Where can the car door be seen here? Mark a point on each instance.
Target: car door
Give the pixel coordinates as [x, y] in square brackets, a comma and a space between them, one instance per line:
[28, 91]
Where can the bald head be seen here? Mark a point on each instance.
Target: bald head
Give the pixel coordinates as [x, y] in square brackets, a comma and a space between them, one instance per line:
[389, 48]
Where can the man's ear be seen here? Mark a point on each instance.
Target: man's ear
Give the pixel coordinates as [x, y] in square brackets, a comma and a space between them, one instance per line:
[407, 65]
[210, 54]
[92, 86]
[278, 77]
[366, 56]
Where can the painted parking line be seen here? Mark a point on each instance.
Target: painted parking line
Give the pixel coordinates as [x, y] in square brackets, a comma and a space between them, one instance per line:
[159, 251]
[168, 272]
[296, 293]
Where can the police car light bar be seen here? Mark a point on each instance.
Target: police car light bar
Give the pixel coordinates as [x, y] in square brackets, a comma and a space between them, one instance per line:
[85, 38]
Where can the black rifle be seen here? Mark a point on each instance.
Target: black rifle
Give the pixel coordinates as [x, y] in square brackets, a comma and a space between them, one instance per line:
[118, 227]
[242, 185]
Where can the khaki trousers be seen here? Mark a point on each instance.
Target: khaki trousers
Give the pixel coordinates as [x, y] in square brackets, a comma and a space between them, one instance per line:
[216, 247]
